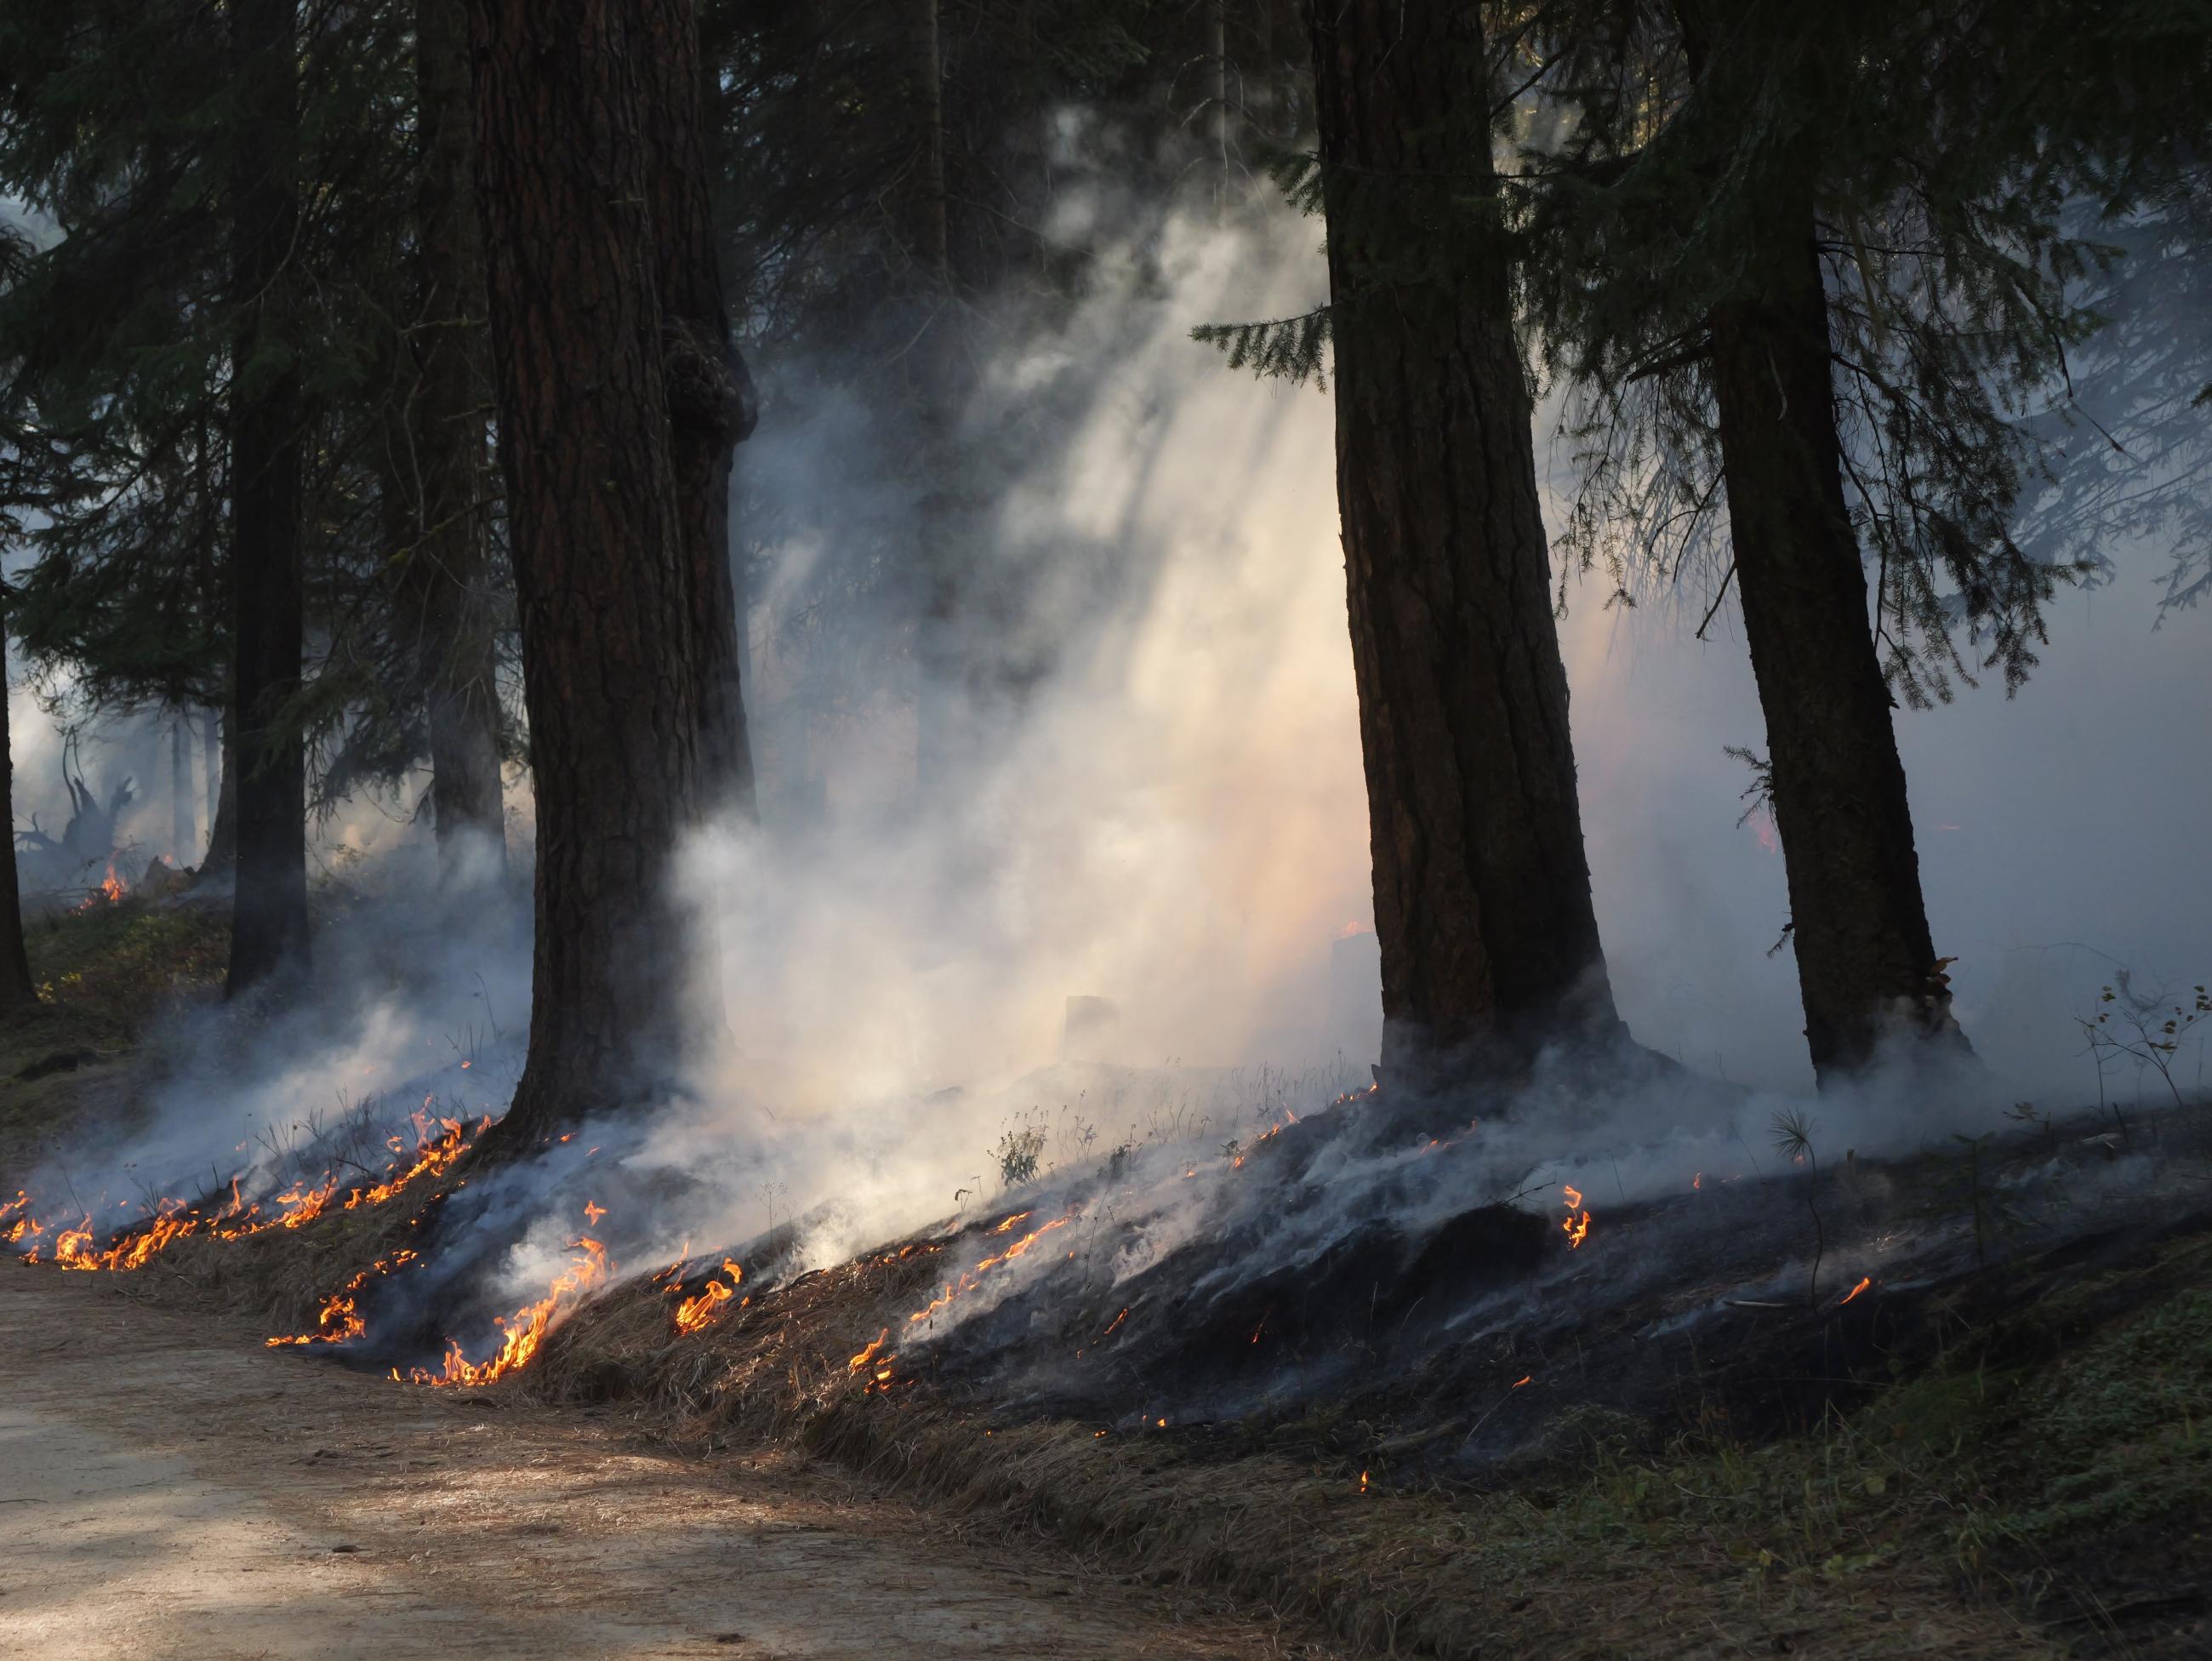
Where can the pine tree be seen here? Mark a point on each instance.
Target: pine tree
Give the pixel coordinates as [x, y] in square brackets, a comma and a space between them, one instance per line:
[612, 661]
[1482, 897]
[1776, 286]
[267, 420]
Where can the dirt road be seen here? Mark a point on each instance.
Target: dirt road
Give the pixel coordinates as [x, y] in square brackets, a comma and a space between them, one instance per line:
[170, 1488]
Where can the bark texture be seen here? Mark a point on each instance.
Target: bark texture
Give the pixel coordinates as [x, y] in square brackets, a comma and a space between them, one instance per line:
[1866, 960]
[269, 932]
[17, 990]
[445, 586]
[711, 405]
[1482, 898]
[602, 573]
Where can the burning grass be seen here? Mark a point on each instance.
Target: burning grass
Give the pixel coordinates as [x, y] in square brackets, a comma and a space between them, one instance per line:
[1553, 1424]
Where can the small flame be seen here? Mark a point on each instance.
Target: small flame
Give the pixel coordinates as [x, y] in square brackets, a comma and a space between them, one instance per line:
[1864, 1282]
[1577, 1222]
[693, 1313]
[523, 1332]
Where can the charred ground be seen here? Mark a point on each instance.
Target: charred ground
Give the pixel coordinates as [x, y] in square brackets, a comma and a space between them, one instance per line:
[1975, 1429]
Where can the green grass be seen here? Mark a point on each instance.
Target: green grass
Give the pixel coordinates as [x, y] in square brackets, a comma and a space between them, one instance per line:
[104, 975]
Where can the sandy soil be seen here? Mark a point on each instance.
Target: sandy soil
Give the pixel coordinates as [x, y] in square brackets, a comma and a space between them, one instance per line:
[168, 1487]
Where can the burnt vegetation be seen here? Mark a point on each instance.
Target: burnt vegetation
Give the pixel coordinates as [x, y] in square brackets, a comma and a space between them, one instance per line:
[390, 397]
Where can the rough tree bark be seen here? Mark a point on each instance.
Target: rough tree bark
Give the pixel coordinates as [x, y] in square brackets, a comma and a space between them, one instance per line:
[1482, 898]
[712, 406]
[269, 930]
[444, 584]
[1866, 958]
[610, 653]
[17, 990]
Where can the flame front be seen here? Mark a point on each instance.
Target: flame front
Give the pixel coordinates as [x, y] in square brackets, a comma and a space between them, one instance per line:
[235, 1219]
[524, 1331]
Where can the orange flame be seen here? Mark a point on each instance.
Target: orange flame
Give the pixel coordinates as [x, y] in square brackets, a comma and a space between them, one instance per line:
[1577, 1222]
[340, 1318]
[523, 1332]
[1865, 1281]
[693, 1313]
[236, 1218]
[968, 1280]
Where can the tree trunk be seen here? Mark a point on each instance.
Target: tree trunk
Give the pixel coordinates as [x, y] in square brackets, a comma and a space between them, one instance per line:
[184, 821]
[221, 796]
[17, 990]
[1218, 34]
[445, 582]
[1866, 960]
[609, 656]
[940, 662]
[711, 405]
[269, 930]
[1482, 897]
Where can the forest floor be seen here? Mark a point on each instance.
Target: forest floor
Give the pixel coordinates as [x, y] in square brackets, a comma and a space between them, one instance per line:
[170, 1487]
[2021, 1470]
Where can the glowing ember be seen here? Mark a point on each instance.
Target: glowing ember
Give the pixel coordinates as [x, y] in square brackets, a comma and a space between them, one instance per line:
[523, 1332]
[1526, 1378]
[1865, 1281]
[1362, 1482]
[1115, 1327]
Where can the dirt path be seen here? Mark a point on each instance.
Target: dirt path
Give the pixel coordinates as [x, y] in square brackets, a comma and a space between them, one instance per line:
[168, 1487]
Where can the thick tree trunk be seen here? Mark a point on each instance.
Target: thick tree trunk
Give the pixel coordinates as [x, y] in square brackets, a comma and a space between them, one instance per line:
[609, 655]
[268, 931]
[712, 405]
[1865, 958]
[17, 990]
[1482, 897]
[444, 584]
